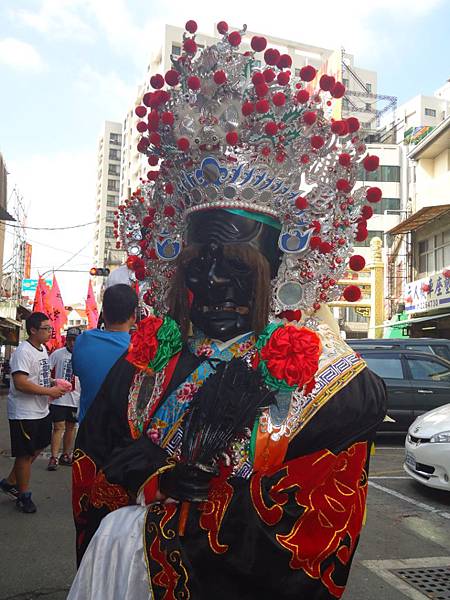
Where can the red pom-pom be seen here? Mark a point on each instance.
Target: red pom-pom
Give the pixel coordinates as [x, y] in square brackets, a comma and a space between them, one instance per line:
[147, 98]
[183, 144]
[301, 203]
[153, 160]
[222, 27]
[248, 108]
[168, 188]
[374, 194]
[325, 247]
[284, 62]
[357, 262]
[352, 293]
[220, 77]
[342, 185]
[326, 82]
[140, 111]
[290, 315]
[258, 78]
[167, 118]
[309, 117]
[345, 159]
[235, 38]
[191, 26]
[262, 106]
[141, 126]
[143, 144]
[271, 56]
[339, 127]
[279, 99]
[159, 97]
[269, 75]
[353, 124]
[308, 73]
[155, 138]
[317, 141]
[232, 138]
[261, 90]
[153, 120]
[169, 211]
[284, 77]
[362, 234]
[190, 46]
[366, 212]
[315, 242]
[302, 96]
[194, 82]
[371, 163]
[152, 175]
[338, 90]
[258, 44]
[172, 77]
[271, 128]
[304, 159]
[157, 81]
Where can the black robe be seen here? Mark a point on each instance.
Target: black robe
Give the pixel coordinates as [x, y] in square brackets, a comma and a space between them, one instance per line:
[288, 533]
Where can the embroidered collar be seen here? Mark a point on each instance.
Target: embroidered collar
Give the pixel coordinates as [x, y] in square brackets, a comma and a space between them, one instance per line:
[200, 345]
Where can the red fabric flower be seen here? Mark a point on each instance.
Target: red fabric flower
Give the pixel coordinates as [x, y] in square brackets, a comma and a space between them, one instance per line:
[141, 111]
[352, 293]
[271, 56]
[172, 77]
[248, 108]
[357, 262]
[303, 96]
[144, 344]
[234, 38]
[258, 44]
[308, 73]
[157, 81]
[292, 353]
[222, 27]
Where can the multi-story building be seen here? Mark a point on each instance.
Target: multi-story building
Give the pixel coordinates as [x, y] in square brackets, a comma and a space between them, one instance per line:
[360, 101]
[107, 199]
[426, 293]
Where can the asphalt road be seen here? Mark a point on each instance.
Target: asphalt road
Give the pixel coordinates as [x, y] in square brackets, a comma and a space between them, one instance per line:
[406, 522]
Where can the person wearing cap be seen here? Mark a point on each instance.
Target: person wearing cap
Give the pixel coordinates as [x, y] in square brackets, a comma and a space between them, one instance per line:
[64, 410]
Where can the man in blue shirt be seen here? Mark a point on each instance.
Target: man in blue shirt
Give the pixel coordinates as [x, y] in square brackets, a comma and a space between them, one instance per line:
[97, 350]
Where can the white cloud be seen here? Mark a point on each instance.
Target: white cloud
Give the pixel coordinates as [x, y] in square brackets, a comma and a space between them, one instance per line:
[20, 55]
[59, 189]
[59, 18]
[107, 90]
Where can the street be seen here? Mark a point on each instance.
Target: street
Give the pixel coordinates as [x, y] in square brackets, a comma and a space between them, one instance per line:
[408, 527]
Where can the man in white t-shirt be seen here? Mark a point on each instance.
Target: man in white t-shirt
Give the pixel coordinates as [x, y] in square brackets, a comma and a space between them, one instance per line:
[29, 421]
[64, 410]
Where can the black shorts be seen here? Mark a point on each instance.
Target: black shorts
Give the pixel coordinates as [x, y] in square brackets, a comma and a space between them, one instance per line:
[63, 413]
[29, 435]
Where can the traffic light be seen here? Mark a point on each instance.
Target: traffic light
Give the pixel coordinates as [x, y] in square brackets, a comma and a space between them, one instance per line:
[95, 272]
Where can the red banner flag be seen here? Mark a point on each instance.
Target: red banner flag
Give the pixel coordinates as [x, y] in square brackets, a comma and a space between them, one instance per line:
[91, 308]
[58, 315]
[42, 301]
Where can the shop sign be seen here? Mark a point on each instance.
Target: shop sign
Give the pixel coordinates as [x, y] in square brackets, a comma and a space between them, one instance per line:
[428, 293]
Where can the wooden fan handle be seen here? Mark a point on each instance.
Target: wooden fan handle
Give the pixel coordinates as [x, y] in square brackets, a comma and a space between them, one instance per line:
[184, 513]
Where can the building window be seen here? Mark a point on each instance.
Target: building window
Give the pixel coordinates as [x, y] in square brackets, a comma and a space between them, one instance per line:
[369, 87]
[351, 316]
[378, 233]
[434, 253]
[113, 170]
[113, 185]
[176, 49]
[109, 232]
[115, 139]
[114, 154]
[430, 112]
[390, 204]
[383, 173]
[112, 200]
[110, 216]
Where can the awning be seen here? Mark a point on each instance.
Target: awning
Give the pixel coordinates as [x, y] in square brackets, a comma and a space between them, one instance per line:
[9, 323]
[420, 218]
[416, 320]
[5, 216]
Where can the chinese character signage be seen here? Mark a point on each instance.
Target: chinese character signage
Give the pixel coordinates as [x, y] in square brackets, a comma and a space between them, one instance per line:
[428, 293]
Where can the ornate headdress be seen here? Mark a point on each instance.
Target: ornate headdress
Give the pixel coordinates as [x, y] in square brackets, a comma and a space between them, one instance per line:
[220, 133]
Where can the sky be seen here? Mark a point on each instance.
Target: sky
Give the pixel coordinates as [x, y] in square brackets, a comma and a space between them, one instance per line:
[66, 66]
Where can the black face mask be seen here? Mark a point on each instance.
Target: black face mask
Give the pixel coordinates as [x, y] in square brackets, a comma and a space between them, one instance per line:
[222, 286]
[222, 289]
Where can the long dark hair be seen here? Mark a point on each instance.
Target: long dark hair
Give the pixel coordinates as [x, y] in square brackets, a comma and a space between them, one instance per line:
[178, 296]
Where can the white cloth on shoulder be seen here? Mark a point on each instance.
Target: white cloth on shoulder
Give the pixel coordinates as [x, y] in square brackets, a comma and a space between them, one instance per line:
[114, 566]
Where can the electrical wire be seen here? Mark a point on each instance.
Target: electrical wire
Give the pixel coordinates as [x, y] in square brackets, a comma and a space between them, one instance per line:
[50, 228]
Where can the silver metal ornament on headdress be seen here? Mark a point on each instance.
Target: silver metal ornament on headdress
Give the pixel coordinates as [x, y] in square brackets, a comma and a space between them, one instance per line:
[222, 135]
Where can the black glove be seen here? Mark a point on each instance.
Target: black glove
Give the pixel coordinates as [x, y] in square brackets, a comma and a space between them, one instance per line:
[186, 482]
